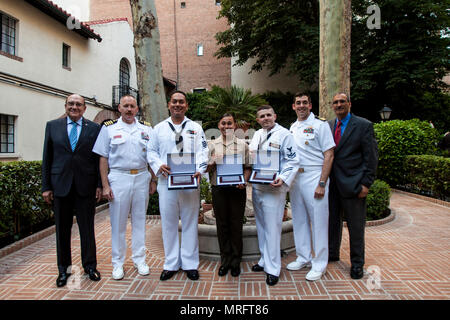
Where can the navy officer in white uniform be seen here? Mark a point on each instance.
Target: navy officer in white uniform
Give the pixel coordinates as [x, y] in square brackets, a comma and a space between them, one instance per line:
[269, 200]
[122, 146]
[309, 191]
[178, 134]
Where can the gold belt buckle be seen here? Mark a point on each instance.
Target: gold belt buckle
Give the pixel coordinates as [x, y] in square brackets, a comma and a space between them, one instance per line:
[301, 170]
[134, 171]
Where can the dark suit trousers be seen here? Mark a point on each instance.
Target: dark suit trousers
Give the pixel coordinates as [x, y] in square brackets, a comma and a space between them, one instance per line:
[84, 209]
[229, 207]
[354, 210]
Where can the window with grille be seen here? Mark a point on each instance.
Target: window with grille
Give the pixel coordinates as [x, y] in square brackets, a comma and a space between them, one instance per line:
[124, 78]
[8, 32]
[66, 55]
[7, 133]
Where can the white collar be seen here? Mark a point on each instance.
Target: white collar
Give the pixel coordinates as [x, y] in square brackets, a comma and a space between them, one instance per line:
[79, 122]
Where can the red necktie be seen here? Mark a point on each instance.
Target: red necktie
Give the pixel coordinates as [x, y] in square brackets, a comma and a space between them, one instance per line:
[337, 133]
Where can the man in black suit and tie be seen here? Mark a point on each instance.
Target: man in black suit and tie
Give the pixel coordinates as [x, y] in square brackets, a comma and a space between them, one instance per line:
[353, 172]
[70, 181]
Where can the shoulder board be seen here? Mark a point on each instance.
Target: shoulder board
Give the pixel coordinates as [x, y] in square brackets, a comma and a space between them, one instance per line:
[320, 118]
[145, 123]
[110, 122]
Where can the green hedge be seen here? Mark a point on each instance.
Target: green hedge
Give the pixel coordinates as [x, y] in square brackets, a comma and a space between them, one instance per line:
[397, 139]
[429, 174]
[153, 204]
[22, 207]
[378, 200]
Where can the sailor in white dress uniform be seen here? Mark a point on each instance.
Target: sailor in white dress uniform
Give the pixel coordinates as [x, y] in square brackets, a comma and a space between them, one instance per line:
[178, 134]
[122, 145]
[269, 200]
[309, 192]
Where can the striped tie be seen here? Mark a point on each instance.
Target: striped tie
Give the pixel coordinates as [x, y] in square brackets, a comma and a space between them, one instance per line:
[73, 137]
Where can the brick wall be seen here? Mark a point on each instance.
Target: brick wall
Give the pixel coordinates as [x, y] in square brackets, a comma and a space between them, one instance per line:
[195, 24]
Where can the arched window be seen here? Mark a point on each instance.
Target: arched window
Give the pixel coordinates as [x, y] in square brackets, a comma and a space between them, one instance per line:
[124, 74]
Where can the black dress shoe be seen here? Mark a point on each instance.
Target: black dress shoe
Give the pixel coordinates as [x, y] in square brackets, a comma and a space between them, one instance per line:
[93, 273]
[356, 272]
[235, 271]
[192, 274]
[271, 280]
[222, 271]
[167, 274]
[62, 279]
[257, 268]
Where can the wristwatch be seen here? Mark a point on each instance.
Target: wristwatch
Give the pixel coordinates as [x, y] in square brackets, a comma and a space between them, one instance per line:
[322, 184]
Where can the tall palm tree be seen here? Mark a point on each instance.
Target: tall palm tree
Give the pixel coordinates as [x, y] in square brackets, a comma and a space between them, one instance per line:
[236, 100]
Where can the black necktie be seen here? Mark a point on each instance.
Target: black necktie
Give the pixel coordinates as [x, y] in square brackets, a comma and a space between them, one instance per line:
[178, 136]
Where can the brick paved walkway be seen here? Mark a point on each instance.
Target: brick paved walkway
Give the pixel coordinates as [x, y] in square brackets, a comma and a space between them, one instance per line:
[411, 255]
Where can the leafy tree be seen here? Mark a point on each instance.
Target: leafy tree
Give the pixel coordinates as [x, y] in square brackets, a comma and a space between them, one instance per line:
[401, 64]
[277, 33]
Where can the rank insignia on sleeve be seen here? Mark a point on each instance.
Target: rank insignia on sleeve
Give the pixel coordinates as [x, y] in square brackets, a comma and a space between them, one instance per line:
[291, 154]
[204, 144]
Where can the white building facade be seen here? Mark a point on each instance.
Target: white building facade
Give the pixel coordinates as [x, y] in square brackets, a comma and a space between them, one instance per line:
[43, 60]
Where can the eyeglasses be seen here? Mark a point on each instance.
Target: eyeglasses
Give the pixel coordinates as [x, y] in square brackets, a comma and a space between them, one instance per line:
[73, 103]
[339, 101]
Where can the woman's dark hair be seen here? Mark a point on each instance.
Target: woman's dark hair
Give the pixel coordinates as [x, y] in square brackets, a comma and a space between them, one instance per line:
[228, 114]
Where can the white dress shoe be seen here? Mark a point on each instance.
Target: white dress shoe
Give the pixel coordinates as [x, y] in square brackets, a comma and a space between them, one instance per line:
[117, 273]
[314, 275]
[142, 268]
[295, 265]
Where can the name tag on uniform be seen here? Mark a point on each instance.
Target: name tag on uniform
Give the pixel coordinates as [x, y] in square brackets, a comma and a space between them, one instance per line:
[274, 145]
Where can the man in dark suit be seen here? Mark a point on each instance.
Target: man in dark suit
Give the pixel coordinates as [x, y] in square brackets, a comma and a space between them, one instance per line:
[70, 181]
[353, 172]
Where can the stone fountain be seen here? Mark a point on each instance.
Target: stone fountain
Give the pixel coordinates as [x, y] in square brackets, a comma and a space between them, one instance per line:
[207, 235]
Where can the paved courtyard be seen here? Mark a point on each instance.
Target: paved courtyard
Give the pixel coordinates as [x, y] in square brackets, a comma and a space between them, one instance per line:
[406, 259]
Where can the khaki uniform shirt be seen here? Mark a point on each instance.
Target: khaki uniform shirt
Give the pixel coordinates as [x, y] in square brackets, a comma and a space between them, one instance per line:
[218, 148]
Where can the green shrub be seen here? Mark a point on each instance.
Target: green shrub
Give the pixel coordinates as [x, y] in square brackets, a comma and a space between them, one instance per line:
[378, 200]
[397, 139]
[205, 191]
[428, 173]
[153, 204]
[21, 204]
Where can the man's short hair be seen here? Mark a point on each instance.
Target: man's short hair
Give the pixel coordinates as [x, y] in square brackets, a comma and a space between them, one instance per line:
[75, 94]
[301, 94]
[177, 91]
[265, 107]
[345, 94]
[127, 96]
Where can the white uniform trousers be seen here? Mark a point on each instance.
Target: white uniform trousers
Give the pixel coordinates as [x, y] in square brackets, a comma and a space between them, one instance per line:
[131, 193]
[268, 203]
[175, 205]
[310, 218]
